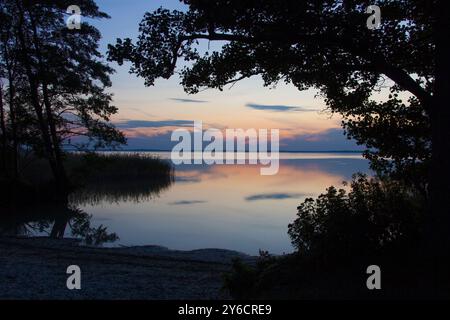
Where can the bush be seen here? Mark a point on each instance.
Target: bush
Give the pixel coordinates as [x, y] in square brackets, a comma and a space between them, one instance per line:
[336, 237]
[240, 282]
[375, 216]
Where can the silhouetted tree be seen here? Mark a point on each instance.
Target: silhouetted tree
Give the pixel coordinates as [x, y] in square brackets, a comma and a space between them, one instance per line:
[58, 79]
[326, 45]
[3, 133]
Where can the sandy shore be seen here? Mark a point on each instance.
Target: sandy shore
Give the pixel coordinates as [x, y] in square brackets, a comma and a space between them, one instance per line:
[35, 268]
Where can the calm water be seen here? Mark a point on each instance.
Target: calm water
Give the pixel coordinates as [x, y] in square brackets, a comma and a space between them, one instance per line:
[218, 206]
[222, 206]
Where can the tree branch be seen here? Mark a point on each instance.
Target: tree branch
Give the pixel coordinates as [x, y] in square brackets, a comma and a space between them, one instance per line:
[399, 76]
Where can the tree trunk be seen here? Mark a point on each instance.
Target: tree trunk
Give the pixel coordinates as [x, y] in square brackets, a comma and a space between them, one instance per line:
[62, 176]
[34, 94]
[3, 128]
[59, 227]
[12, 113]
[439, 217]
[63, 180]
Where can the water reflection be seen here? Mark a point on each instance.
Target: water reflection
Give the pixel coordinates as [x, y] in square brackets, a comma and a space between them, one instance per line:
[219, 206]
[227, 206]
[54, 221]
[69, 220]
[123, 190]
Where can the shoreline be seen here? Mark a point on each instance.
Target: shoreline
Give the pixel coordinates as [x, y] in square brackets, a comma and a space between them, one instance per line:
[35, 268]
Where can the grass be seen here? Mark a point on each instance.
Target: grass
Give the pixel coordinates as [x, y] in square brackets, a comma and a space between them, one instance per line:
[404, 275]
[116, 166]
[102, 174]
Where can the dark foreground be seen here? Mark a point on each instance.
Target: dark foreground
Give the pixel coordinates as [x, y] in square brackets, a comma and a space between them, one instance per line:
[36, 269]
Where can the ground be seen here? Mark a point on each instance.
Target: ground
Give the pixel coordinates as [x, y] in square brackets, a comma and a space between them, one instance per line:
[35, 268]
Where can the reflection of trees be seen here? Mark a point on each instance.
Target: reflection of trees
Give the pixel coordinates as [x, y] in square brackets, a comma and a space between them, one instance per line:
[115, 190]
[53, 221]
[57, 220]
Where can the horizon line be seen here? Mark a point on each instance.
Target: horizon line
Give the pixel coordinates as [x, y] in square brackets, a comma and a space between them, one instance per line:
[281, 151]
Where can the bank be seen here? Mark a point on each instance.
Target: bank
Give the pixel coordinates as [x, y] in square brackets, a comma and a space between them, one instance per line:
[35, 268]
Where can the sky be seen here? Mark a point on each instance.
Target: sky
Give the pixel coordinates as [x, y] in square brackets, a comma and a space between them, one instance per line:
[148, 115]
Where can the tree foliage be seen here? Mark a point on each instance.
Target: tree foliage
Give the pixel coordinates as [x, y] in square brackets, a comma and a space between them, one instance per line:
[391, 86]
[312, 44]
[55, 81]
[373, 217]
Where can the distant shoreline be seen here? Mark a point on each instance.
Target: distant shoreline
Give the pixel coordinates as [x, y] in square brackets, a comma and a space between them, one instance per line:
[281, 151]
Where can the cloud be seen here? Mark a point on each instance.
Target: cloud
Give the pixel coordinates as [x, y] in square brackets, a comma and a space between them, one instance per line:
[186, 202]
[274, 196]
[188, 100]
[278, 108]
[328, 140]
[188, 179]
[138, 110]
[156, 135]
[129, 124]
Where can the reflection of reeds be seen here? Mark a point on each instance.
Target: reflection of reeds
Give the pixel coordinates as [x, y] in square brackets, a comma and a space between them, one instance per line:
[116, 190]
[121, 177]
[94, 177]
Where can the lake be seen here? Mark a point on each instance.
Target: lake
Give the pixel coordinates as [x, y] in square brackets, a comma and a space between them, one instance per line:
[223, 206]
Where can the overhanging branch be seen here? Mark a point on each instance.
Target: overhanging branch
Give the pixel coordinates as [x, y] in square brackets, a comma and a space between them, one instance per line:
[399, 76]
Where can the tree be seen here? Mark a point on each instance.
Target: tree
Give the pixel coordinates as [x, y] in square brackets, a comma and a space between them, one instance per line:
[59, 80]
[16, 119]
[326, 45]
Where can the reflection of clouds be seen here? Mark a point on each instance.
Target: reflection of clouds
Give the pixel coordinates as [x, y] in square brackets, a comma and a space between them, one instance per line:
[198, 173]
[298, 177]
[274, 196]
[344, 169]
[186, 202]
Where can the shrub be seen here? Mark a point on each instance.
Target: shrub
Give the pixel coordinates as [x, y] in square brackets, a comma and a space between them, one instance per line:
[374, 216]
